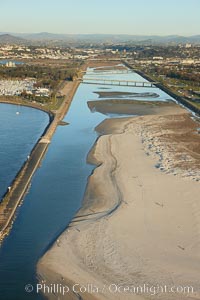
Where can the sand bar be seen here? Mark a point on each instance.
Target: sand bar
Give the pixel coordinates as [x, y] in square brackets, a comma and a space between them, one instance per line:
[139, 223]
[132, 107]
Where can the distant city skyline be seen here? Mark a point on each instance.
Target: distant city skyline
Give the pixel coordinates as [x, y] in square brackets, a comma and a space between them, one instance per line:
[131, 17]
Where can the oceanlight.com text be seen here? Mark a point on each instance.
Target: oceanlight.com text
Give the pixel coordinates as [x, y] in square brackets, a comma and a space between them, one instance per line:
[113, 288]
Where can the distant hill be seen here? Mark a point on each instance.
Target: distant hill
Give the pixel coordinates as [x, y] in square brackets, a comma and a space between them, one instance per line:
[10, 39]
[34, 38]
[116, 38]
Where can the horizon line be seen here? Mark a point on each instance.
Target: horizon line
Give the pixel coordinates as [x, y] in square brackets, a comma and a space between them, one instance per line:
[128, 34]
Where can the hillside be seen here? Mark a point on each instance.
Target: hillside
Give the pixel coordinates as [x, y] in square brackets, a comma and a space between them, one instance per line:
[10, 39]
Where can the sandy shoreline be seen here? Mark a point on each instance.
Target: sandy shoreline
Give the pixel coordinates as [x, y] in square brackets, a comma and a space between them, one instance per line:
[139, 223]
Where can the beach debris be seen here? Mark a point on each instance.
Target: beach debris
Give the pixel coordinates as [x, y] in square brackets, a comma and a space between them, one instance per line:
[157, 166]
[180, 247]
[63, 123]
[159, 204]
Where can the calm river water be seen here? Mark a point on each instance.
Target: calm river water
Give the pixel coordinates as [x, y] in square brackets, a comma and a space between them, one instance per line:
[58, 186]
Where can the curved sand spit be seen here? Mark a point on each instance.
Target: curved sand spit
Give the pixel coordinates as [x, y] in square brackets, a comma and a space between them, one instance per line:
[138, 224]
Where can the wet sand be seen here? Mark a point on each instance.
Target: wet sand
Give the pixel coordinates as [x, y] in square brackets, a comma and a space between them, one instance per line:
[139, 223]
[119, 95]
[132, 107]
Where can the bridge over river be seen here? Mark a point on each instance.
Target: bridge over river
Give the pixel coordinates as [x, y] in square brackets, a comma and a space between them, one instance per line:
[117, 82]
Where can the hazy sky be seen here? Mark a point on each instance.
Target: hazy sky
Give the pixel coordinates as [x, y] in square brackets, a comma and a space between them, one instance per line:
[160, 17]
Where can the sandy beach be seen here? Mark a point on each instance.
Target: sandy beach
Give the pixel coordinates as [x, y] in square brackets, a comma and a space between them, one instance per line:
[139, 224]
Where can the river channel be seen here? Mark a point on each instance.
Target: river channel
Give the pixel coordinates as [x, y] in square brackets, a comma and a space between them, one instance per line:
[57, 187]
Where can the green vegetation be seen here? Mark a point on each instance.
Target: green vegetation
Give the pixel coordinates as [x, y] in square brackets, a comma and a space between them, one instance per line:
[182, 80]
[45, 76]
[49, 104]
[52, 77]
